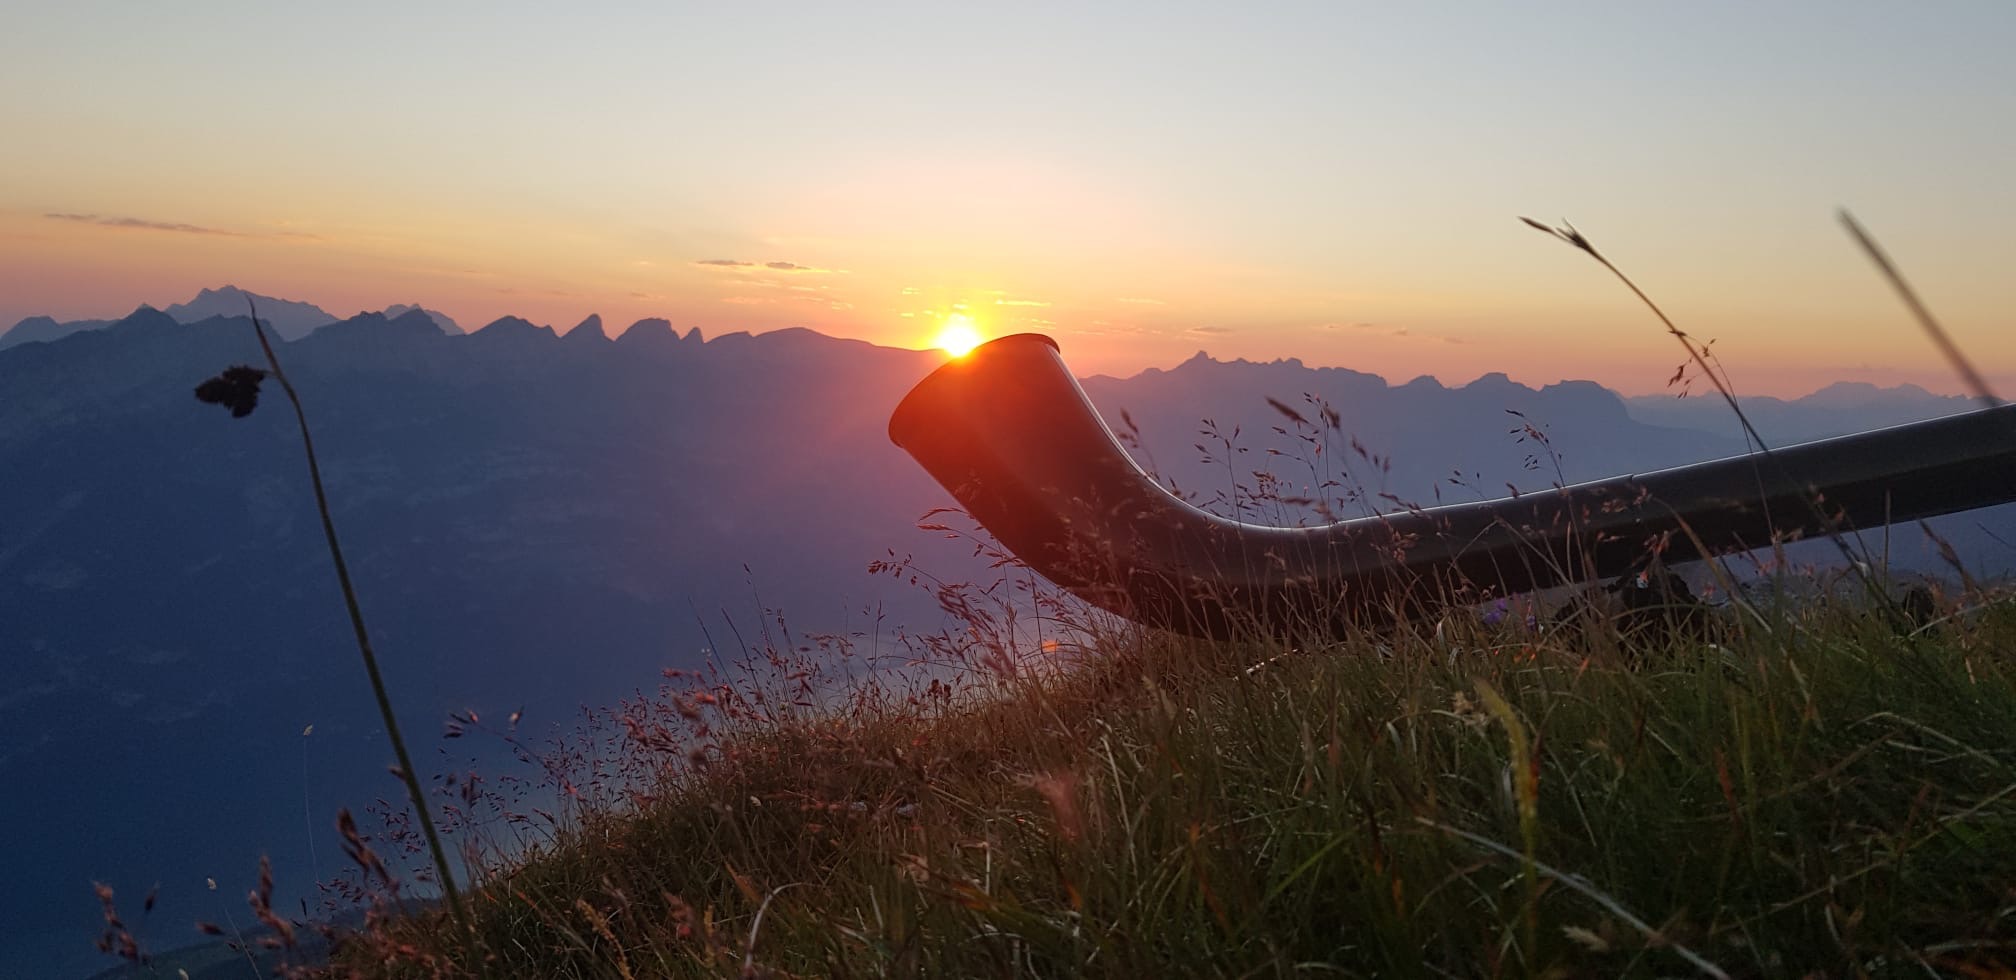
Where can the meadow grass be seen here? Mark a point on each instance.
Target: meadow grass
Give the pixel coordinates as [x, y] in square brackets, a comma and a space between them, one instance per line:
[1816, 792]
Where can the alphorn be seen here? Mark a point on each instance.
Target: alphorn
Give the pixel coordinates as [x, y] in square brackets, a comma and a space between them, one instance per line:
[1008, 431]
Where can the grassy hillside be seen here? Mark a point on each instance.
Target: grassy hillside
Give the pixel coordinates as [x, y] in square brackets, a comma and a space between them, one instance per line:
[1816, 789]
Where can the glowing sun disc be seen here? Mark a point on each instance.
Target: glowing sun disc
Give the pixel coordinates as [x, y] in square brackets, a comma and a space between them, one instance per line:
[958, 335]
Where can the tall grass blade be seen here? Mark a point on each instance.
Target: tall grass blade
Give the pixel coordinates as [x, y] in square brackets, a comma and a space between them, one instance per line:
[1975, 383]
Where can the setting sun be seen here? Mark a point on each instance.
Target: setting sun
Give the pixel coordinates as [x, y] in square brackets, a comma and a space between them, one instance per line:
[958, 335]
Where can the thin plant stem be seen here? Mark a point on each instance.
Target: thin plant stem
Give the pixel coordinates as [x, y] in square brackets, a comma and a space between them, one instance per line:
[308, 811]
[1568, 233]
[406, 771]
[1961, 365]
[244, 948]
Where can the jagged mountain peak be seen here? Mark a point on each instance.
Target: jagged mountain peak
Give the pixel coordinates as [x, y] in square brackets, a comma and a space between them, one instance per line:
[290, 319]
[445, 323]
[589, 330]
[650, 330]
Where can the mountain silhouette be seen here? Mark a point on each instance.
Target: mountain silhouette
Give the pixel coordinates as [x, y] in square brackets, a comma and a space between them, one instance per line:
[42, 328]
[588, 331]
[543, 521]
[1838, 409]
[441, 320]
[290, 319]
[1422, 433]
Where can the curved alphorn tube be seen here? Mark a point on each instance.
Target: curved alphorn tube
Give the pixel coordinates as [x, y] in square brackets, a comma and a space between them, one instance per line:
[1010, 433]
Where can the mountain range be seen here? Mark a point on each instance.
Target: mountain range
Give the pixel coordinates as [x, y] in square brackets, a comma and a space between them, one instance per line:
[1838, 409]
[540, 522]
[290, 319]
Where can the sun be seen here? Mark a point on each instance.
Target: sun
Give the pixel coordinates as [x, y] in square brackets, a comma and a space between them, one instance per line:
[958, 335]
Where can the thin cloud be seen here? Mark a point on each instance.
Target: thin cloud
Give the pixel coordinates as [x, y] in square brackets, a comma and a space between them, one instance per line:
[778, 266]
[1138, 301]
[111, 221]
[1020, 302]
[180, 227]
[1210, 330]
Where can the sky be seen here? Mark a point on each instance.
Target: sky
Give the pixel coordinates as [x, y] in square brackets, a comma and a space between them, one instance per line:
[1338, 182]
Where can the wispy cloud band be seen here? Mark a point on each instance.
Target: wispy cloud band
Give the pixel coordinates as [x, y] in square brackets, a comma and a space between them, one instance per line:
[772, 266]
[112, 221]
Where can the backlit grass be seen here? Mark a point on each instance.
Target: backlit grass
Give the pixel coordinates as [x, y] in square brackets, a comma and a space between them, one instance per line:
[1815, 793]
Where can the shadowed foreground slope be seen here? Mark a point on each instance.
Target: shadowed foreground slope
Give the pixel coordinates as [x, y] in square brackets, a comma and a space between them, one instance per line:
[1815, 792]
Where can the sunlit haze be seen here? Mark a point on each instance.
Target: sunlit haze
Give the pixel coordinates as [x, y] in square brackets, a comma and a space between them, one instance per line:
[959, 335]
[1335, 182]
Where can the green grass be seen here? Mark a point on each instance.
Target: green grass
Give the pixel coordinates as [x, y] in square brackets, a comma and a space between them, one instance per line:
[1821, 794]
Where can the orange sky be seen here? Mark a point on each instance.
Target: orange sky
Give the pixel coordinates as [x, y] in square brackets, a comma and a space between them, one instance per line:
[1339, 184]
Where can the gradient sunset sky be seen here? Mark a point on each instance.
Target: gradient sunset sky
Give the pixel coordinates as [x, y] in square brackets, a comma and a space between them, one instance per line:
[1337, 182]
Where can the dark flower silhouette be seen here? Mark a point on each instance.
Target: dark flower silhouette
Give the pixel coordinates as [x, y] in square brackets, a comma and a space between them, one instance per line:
[236, 389]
